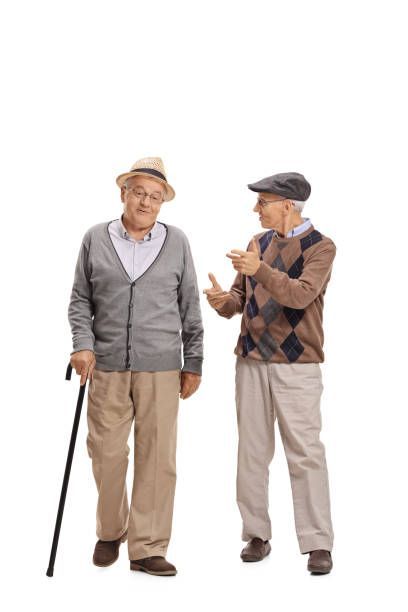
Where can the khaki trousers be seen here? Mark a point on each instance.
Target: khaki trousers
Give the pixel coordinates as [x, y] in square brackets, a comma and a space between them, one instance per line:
[150, 399]
[291, 394]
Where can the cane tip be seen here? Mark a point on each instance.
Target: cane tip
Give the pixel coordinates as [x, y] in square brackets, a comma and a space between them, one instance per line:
[50, 572]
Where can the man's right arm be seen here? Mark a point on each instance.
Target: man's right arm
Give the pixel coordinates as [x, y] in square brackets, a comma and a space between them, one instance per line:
[81, 308]
[236, 302]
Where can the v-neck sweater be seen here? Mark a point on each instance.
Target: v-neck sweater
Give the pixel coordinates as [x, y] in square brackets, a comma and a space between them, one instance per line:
[282, 303]
[142, 324]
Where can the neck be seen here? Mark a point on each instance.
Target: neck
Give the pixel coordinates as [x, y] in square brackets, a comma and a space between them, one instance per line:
[288, 224]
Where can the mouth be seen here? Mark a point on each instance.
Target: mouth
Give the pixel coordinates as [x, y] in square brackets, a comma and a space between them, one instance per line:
[145, 212]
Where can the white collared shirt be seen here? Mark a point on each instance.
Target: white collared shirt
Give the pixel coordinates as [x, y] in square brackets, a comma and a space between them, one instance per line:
[298, 229]
[136, 255]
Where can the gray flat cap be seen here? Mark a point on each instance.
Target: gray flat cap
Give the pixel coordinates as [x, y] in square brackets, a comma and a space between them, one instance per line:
[290, 185]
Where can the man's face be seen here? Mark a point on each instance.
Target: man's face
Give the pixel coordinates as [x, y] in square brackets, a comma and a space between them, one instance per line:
[270, 207]
[142, 198]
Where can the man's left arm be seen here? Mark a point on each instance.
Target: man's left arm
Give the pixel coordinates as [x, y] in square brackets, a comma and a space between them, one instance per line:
[302, 291]
[192, 327]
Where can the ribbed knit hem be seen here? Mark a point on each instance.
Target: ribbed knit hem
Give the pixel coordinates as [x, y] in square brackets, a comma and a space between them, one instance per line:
[82, 344]
[159, 363]
[193, 364]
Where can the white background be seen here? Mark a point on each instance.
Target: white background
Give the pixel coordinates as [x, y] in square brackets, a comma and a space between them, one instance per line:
[226, 93]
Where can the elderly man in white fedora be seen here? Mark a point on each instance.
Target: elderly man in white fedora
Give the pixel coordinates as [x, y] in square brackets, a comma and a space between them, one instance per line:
[279, 289]
[134, 308]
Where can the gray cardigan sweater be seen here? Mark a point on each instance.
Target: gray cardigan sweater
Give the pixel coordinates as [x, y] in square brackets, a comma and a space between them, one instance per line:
[136, 325]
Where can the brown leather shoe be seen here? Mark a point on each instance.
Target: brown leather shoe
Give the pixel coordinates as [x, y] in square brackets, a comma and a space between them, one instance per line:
[320, 562]
[158, 566]
[255, 550]
[107, 551]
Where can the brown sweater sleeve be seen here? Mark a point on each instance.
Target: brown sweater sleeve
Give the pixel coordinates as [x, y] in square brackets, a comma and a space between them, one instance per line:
[236, 302]
[299, 292]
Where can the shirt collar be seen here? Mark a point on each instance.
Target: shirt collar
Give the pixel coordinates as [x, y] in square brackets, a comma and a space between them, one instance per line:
[124, 233]
[298, 229]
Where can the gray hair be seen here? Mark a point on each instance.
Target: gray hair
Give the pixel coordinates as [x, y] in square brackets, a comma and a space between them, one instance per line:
[298, 205]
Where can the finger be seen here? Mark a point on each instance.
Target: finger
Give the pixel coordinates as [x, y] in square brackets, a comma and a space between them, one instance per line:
[219, 300]
[213, 291]
[216, 295]
[239, 251]
[234, 256]
[188, 392]
[218, 304]
[91, 370]
[83, 375]
[192, 389]
[214, 281]
[182, 386]
[188, 387]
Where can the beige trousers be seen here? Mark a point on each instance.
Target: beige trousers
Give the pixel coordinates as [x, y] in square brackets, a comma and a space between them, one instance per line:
[291, 394]
[150, 399]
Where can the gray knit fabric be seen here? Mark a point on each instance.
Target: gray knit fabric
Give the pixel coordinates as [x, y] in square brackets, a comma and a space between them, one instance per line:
[141, 325]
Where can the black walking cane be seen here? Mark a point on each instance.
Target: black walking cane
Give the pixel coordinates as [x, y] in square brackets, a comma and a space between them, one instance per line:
[50, 570]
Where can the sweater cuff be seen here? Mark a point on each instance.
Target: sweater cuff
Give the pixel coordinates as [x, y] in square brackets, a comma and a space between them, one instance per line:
[228, 309]
[82, 344]
[193, 364]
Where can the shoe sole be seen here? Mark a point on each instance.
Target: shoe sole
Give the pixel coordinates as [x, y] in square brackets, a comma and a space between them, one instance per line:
[106, 564]
[315, 570]
[122, 539]
[248, 559]
[140, 568]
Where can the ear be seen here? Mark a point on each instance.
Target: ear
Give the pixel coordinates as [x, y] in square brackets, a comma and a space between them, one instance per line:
[122, 193]
[287, 206]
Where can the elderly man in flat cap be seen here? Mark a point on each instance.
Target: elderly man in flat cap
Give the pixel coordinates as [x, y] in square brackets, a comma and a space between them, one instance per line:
[279, 287]
[134, 306]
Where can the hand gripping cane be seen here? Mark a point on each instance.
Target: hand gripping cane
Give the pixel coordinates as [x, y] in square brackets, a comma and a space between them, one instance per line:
[50, 570]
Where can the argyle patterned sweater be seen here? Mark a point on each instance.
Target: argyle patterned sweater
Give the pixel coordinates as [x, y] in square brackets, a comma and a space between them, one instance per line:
[282, 303]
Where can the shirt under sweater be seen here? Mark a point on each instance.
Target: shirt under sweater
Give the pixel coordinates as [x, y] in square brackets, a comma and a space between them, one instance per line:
[282, 303]
[136, 255]
[141, 324]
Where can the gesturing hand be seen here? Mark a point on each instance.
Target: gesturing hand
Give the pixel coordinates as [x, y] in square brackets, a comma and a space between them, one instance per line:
[215, 295]
[246, 262]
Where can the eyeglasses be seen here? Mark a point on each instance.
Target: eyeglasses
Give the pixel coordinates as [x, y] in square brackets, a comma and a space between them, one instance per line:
[141, 195]
[262, 203]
